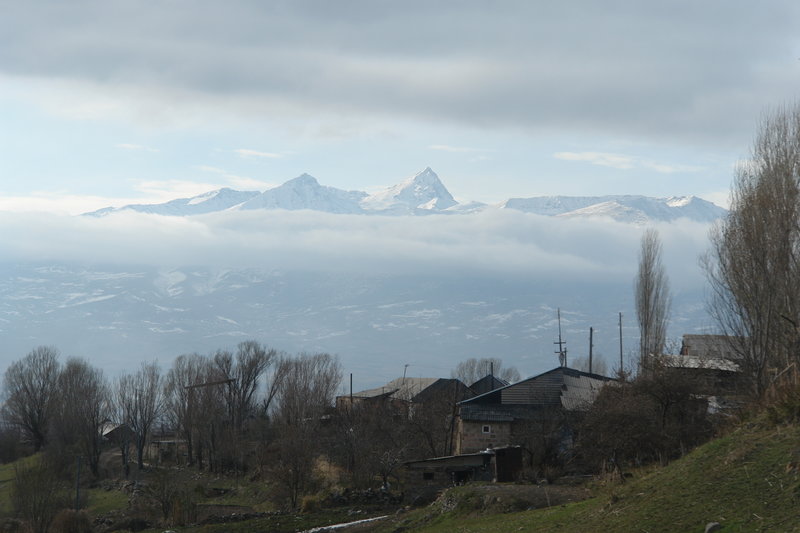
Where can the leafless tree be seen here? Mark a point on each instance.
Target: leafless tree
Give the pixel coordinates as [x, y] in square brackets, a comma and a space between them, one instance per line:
[599, 365]
[243, 373]
[753, 265]
[652, 297]
[29, 388]
[306, 392]
[82, 410]
[141, 400]
[473, 369]
[181, 403]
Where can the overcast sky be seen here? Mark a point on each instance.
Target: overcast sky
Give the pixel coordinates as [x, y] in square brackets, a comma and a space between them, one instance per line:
[107, 103]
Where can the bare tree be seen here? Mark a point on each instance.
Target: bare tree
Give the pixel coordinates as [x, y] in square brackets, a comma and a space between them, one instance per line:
[599, 365]
[652, 297]
[141, 400]
[82, 410]
[306, 392]
[243, 373]
[473, 369]
[181, 406]
[753, 266]
[29, 388]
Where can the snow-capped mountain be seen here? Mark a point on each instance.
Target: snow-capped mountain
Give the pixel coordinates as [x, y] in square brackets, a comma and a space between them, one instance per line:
[423, 192]
[210, 202]
[623, 208]
[305, 192]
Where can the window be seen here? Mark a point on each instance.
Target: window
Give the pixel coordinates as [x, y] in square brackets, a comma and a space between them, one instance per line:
[487, 429]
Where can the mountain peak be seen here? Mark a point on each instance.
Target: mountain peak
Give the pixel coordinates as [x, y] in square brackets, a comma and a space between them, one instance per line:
[423, 191]
[305, 192]
[304, 179]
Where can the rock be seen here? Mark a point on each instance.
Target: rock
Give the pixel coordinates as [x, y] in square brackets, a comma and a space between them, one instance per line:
[713, 526]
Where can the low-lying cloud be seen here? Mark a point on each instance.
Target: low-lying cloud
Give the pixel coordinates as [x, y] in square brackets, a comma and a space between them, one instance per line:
[495, 243]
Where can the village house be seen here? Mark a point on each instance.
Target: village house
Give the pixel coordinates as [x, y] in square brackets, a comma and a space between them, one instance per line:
[403, 392]
[711, 365]
[522, 412]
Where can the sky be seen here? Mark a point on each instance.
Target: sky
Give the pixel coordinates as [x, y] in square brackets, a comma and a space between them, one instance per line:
[109, 103]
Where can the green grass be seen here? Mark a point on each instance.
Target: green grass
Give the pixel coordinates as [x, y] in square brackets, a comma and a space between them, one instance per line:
[7, 473]
[101, 501]
[747, 481]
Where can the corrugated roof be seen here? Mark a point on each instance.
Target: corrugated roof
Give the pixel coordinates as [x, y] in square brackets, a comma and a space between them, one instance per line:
[571, 389]
[691, 361]
[403, 388]
[487, 384]
[709, 346]
[580, 391]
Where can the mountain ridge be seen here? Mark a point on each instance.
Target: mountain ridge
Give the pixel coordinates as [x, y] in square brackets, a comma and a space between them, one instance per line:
[425, 194]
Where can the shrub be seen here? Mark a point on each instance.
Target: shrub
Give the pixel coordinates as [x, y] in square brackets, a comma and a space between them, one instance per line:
[70, 521]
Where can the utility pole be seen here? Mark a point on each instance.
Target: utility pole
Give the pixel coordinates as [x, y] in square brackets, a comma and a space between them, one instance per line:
[621, 368]
[591, 345]
[562, 348]
[78, 485]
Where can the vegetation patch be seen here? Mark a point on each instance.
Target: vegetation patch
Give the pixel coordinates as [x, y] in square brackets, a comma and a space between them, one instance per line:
[746, 481]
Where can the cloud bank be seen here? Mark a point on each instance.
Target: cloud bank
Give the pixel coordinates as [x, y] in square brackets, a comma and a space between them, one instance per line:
[496, 243]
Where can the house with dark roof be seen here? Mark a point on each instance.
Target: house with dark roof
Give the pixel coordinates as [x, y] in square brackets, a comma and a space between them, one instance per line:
[406, 391]
[714, 347]
[508, 415]
[487, 384]
[712, 364]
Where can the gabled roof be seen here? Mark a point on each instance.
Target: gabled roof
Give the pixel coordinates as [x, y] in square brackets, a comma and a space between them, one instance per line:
[402, 388]
[709, 346]
[561, 387]
[450, 389]
[487, 384]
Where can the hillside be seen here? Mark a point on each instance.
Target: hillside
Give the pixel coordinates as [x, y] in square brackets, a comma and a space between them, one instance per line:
[746, 481]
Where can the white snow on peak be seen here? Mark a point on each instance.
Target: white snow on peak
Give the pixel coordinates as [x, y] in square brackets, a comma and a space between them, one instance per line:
[679, 201]
[305, 192]
[424, 194]
[423, 191]
[623, 208]
[218, 200]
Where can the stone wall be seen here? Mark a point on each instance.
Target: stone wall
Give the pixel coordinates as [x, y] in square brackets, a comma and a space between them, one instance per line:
[473, 437]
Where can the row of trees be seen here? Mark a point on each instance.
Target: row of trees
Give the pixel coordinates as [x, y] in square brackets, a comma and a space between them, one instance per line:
[211, 401]
[253, 409]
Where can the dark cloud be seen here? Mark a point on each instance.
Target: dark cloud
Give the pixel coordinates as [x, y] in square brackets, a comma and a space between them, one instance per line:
[697, 71]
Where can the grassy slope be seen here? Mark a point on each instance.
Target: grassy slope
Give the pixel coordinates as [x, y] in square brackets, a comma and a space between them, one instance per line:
[747, 481]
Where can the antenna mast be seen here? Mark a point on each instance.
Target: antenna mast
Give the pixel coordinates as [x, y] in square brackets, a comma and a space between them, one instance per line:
[562, 344]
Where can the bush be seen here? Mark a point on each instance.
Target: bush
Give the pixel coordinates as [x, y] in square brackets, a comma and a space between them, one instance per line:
[37, 495]
[310, 503]
[69, 521]
[657, 417]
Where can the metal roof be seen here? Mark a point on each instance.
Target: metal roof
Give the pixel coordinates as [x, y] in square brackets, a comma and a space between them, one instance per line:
[402, 388]
[560, 387]
[691, 361]
[710, 346]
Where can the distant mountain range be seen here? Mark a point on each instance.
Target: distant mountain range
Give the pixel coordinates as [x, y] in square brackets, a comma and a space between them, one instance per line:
[425, 194]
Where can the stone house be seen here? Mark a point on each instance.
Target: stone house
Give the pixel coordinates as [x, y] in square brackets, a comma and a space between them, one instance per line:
[526, 412]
